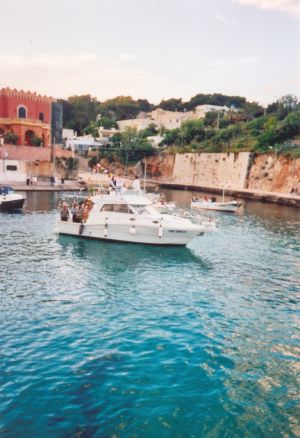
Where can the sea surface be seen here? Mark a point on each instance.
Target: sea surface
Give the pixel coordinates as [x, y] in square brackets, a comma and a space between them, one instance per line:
[103, 339]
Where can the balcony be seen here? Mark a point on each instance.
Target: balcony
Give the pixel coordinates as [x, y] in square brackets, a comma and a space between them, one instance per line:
[21, 121]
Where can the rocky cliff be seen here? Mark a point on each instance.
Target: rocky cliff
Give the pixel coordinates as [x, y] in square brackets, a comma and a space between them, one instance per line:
[234, 171]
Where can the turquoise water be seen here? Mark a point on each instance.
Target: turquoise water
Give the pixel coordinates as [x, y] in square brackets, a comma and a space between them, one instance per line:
[115, 340]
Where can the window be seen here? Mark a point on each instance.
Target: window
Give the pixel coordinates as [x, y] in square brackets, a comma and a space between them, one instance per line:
[11, 167]
[41, 117]
[107, 207]
[22, 112]
[121, 208]
[117, 208]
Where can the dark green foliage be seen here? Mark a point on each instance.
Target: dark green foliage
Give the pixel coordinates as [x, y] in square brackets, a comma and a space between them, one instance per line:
[11, 138]
[149, 131]
[107, 123]
[282, 107]
[215, 99]
[130, 146]
[78, 111]
[172, 105]
[123, 107]
[36, 141]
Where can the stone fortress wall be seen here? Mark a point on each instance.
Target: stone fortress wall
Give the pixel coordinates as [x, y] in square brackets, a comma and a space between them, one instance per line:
[230, 170]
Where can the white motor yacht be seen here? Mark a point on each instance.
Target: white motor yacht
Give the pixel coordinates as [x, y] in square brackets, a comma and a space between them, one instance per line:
[131, 218]
[9, 200]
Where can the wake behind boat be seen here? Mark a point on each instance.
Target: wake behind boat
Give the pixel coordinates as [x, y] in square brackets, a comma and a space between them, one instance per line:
[9, 200]
[129, 217]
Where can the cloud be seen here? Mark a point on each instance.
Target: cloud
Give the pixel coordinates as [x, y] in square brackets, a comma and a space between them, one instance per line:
[125, 57]
[226, 64]
[224, 20]
[291, 7]
[61, 76]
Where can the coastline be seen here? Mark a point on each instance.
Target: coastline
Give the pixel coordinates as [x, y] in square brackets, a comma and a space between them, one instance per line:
[256, 195]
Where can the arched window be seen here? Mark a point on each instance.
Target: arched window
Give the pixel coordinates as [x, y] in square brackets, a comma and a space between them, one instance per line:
[22, 112]
[41, 117]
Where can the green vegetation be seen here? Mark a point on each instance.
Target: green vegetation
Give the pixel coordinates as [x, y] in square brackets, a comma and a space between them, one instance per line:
[247, 126]
[36, 140]
[80, 111]
[233, 132]
[67, 165]
[11, 138]
[128, 146]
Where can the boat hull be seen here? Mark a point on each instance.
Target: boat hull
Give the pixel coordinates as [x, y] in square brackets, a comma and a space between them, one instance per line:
[126, 233]
[216, 206]
[11, 205]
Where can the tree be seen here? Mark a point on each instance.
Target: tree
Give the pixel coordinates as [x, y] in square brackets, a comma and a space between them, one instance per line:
[67, 165]
[78, 111]
[283, 106]
[149, 131]
[120, 108]
[171, 105]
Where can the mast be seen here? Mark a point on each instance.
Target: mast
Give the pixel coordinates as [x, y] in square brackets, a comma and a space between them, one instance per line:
[145, 173]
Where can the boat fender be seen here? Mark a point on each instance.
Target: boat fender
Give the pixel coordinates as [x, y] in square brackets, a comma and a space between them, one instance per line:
[81, 227]
[160, 231]
[132, 230]
[105, 231]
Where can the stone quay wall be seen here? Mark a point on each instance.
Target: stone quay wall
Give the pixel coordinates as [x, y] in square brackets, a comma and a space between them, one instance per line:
[234, 171]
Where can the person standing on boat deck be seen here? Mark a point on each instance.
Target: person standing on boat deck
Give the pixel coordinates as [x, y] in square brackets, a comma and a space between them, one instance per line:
[64, 214]
[136, 185]
[79, 212]
[112, 182]
[119, 185]
[73, 211]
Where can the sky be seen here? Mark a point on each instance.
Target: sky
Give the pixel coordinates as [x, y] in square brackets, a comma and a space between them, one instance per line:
[154, 49]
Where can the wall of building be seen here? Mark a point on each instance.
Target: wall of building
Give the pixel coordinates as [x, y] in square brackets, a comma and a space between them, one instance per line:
[26, 153]
[11, 100]
[18, 174]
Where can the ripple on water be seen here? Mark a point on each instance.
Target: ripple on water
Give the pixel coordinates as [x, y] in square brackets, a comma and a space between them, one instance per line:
[122, 340]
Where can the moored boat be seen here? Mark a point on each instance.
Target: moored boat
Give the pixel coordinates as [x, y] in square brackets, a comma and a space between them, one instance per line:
[210, 204]
[9, 200]
[131, 218]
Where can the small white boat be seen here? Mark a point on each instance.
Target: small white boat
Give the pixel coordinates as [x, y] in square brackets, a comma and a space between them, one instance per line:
[164, 207]
[201, 204]
[9, 200]
[131, 218]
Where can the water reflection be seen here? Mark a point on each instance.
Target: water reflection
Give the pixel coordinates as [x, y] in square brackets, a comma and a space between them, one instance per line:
[41, 201]
[105, 253]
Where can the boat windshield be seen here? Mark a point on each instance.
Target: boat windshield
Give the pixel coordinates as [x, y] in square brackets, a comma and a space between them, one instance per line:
[145, 210]
[6, 191]
[117, 208]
